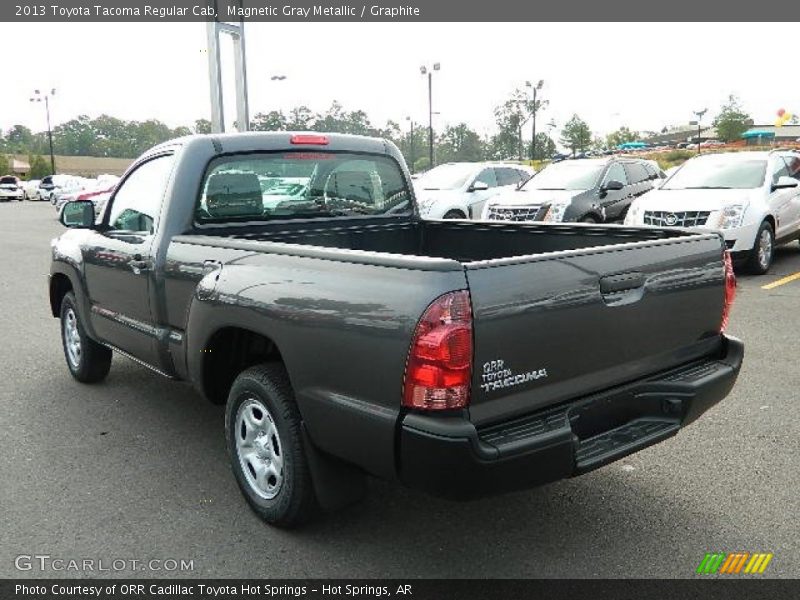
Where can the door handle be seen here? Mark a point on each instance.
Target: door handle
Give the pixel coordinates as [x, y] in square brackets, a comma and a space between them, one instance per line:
[614, 284]
[138, 265]
[623, 289]
[209, 266]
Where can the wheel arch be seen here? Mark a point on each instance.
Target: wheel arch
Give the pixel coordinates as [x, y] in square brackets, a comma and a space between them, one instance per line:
[60, 285]
[227, 351]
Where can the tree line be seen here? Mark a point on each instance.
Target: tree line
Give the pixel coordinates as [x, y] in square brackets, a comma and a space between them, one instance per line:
[107, 136]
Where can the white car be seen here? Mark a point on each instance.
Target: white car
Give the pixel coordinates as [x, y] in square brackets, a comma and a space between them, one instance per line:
[460, 190]
[11, 188]
[752, 198]
[31, 189]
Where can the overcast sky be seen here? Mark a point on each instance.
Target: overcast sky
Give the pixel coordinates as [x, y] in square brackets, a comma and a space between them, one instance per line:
[641, 75]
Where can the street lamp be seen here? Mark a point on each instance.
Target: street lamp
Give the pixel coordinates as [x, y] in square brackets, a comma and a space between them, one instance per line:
[429, 72]
[411, 143]
[39, 97]
[699, 114]
[535, 88]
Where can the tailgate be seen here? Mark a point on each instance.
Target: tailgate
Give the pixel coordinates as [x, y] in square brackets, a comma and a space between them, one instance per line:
[553, 327]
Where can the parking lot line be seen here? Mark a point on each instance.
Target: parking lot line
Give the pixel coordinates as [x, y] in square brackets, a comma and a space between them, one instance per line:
[787, 279]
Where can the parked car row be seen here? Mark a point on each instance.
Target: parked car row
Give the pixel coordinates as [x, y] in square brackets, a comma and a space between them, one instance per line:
[752, 198]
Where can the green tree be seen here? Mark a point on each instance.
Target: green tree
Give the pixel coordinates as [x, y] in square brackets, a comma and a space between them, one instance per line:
[274, 120]
[576, 134]
[732, 121]
[459, 143]
[202, 126]
[300, 118]
[414, 147]
[4, 165]
[510, 117]
[623, 135]
[39, 167]
[545, 146]
[18, 139]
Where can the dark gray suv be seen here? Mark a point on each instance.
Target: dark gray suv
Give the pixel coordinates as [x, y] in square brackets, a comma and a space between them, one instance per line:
[591, 190]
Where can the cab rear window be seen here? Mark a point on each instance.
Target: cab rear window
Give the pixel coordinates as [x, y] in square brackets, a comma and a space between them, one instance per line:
[301, 184]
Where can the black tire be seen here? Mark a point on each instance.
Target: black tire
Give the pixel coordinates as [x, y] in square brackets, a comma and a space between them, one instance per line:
[454, 214]
[588, 219]
[294, 501]
[93, 360]
[756, 264]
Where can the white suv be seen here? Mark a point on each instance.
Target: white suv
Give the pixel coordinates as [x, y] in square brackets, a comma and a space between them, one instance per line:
[460, 190]
[752, 198]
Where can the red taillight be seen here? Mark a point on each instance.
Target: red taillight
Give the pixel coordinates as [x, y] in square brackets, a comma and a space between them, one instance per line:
[439, 365]
[309, 140]
[730, 291]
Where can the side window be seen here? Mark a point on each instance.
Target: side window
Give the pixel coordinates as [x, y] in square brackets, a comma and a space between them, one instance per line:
[793, 164]
[507, 176]
[651, 172]
[523, 176]
[636, 173]
[616, 173]
[488, 177]
[138, 200]
[779, 169]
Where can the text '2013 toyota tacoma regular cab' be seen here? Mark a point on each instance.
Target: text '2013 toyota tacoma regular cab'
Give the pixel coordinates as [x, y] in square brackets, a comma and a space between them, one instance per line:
[289, 277]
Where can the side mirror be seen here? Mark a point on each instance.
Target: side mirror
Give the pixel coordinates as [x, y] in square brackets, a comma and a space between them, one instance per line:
[613, 185]
[78, 214]
[784, 182]
[479, 186]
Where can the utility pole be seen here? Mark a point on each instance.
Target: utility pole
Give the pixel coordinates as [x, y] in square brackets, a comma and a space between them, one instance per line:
[699, 114]
[39, 97]
[535, 88]
[429, 72]
[411, 156]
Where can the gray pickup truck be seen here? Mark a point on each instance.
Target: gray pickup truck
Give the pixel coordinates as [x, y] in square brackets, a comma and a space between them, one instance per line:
[289, 277]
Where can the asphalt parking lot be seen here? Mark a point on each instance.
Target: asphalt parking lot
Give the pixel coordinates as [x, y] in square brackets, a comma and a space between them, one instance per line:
[135, 468]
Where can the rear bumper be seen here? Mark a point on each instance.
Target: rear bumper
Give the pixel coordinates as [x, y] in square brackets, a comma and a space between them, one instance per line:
[448, 456]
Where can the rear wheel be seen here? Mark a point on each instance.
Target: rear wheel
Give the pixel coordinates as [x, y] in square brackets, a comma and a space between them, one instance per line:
[588, 219]
[265, 446]
[761, 255]
[454, 214]
[88, 361]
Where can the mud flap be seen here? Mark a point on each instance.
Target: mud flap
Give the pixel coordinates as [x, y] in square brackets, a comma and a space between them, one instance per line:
[336, 483]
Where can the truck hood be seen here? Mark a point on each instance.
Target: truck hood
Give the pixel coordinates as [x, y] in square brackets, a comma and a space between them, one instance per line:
[691, 200]
[525, 197]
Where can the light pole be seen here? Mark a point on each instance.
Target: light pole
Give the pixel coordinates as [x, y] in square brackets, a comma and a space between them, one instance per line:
[550, 126]
[411, 156]
[699, 114]
[535, 88]
[39, 97]
[429, 72]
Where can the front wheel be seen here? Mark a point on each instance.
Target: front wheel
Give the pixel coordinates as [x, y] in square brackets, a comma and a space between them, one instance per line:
[265, 446]
[88, 361]
[761, 255]
[454, 214]
[589, 219]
